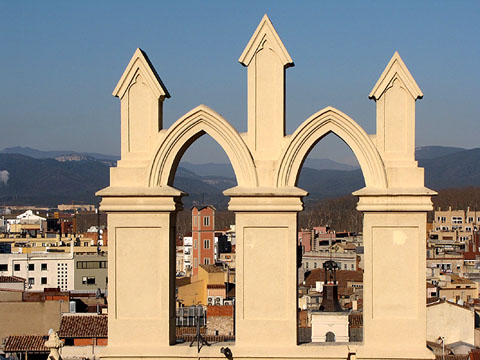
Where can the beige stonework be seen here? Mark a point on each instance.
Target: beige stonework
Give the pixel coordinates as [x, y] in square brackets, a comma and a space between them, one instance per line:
[141, 205]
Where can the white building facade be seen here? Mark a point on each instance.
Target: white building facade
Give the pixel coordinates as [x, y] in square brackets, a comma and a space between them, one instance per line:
[42, 270]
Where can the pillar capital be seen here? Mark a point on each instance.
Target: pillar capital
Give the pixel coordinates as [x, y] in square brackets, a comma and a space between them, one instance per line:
[265, 199]
[394, 199]
[140, 199]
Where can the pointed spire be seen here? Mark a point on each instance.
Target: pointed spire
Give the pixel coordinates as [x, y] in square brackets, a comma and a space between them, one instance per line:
[140, 64]
[265, 32]
[266, 60]
[396, 69]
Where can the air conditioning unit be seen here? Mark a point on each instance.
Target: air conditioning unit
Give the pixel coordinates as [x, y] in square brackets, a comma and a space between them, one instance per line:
[227, 302]
[218, 300]
[210, 300]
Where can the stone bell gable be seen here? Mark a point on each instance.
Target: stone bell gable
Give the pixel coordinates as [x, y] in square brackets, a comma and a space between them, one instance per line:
[142, 203]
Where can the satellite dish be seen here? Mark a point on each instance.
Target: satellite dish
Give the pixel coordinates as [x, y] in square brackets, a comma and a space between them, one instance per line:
[50, 332]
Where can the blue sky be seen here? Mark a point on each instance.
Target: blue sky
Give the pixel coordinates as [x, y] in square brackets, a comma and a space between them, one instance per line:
[61, 61]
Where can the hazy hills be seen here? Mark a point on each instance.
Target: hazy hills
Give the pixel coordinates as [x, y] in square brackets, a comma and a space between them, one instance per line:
[39, 179]
[63, 155]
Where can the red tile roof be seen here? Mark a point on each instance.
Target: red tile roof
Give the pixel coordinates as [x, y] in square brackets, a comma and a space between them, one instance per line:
[11, 279]
[211, 268]
[84, 326]
[216, 286]
[452, 357]
[343, 277]
[220, 310]
[18, 343]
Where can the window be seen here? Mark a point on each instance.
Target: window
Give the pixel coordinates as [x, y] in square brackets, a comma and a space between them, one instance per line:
[195, 221]
[457, 220]
[195, 262]
[44, 267]
[468, 228]
[206, 244]
[31, 267]
[88, 280]
[315, 265]
[306, 265]
[85, 243]
[16, 267]
[206, 221]
[195, 243]
[3, 267]
[31, 281]
[206, 261]
[92, 264]
[470, 219]
[44, 281]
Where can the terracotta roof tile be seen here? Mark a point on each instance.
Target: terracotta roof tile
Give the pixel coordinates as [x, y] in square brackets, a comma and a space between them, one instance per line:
[84, 326]
[17, 343]
[212, 268]
[216, 286]
[11, 279]
[343, 277]
[452, 357]
[219, 310]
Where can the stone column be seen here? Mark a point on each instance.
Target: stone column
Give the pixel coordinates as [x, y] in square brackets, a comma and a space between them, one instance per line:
[141, 266]
[394, 236]
[266, 266]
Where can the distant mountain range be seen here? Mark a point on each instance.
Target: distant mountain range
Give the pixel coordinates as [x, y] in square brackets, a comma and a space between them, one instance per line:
[61, 155]
[40, 179]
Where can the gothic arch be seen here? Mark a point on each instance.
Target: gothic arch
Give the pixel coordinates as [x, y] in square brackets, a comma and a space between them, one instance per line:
[315, 128]
[199, 121]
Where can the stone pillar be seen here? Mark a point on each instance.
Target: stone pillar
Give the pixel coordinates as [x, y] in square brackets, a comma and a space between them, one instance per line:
[266, 266]
[394, 236]
[141, 266]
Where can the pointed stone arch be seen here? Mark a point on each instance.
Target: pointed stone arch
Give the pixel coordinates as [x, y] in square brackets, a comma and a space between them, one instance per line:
[314, 129]
[199, 121]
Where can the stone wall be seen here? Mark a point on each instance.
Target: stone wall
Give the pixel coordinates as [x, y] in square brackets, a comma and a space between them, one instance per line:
[220, 325]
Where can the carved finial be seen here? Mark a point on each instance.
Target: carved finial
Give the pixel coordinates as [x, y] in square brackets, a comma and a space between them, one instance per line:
[266, 58]
[265, 32]
[142, 93]
[396, 69]
[140, 63]
[395, 94]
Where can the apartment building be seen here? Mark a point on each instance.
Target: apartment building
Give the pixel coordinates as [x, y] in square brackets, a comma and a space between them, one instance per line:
[42, 270]
[456, 227]
[26, 223]
[187, 254]
[91, 272]
[203, 237]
